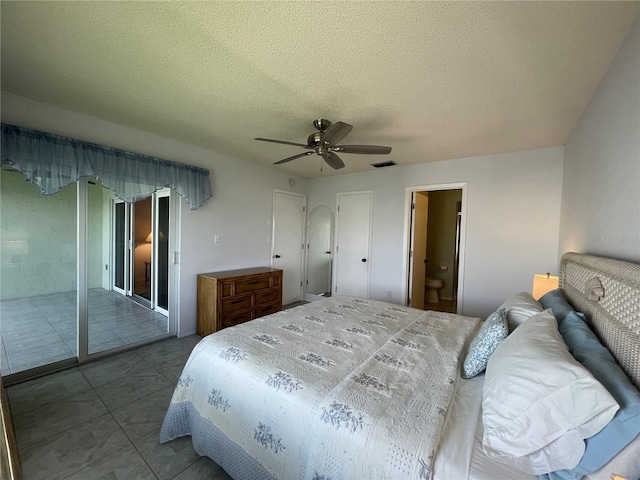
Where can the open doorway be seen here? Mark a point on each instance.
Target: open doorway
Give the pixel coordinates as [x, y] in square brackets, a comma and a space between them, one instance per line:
[435, 241]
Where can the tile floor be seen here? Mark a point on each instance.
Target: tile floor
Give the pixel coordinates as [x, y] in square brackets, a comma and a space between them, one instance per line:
[102, 420]
[449, 306]
[42, 329]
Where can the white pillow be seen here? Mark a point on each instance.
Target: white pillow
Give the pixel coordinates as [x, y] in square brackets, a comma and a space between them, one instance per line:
[520, 307]
[538, 402]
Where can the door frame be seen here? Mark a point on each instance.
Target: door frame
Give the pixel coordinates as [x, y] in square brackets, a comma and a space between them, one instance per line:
[303, 248]
[407, 236]
[336, 233]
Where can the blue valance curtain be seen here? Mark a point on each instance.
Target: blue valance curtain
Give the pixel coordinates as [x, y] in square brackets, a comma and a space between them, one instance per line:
[53, 162]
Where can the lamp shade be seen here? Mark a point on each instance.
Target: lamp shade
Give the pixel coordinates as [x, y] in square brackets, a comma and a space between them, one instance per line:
[149, 238]
[543, 284]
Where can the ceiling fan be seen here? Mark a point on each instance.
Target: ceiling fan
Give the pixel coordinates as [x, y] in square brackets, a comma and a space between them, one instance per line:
[323, 142]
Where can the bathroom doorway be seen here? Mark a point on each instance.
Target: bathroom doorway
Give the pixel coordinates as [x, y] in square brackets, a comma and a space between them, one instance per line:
[434, 259]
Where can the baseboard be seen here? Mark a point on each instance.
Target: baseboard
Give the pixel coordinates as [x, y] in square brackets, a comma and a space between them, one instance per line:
[186, 334]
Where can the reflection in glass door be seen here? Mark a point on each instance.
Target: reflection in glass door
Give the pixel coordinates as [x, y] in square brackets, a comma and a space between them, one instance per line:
[120, 246]
[38, 263]
[65, 262]
[142, 235]
[120, 270]
[140, 260]
[161, 253]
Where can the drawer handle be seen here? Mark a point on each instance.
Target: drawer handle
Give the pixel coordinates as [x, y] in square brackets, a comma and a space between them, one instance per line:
[233, 302]
[254, 282]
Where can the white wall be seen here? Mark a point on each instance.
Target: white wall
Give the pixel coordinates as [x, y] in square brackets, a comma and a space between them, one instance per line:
[601, 188]
[512, 220]
[239, 210]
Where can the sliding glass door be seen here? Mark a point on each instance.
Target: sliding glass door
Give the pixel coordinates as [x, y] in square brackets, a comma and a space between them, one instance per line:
[140, 259]
[69, 281]
[38, 268]
[120, 246]
[161, 253]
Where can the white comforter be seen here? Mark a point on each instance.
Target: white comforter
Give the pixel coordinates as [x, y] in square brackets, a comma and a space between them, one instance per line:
[341, 388]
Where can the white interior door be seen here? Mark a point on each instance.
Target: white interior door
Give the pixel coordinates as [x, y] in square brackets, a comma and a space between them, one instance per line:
[420, 212]
[353, 244]
[288, 242]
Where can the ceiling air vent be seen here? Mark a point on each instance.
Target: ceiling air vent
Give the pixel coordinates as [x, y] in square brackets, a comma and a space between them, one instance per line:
[389, 163]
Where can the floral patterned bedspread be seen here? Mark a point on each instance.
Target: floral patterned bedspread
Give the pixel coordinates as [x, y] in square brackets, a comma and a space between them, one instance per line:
[342, 388]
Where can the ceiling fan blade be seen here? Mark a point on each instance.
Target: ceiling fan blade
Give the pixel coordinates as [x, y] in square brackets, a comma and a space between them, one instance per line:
[283, 142]
[288, 159]
[366, 149]
[333, 160]
[336, 132]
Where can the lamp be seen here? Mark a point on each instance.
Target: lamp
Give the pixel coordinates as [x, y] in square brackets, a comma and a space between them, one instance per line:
[543, 284]
[149, 238]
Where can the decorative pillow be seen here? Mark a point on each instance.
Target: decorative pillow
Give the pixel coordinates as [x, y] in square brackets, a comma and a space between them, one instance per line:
[493, 331]
[555, 301]
[520, 307]
[538, 402]
[625, 426]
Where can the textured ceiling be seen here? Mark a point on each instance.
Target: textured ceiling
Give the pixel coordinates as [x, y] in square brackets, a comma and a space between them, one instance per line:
[433, 80]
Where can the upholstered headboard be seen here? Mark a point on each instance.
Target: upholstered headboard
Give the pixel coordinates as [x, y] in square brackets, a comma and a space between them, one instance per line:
[607, 291]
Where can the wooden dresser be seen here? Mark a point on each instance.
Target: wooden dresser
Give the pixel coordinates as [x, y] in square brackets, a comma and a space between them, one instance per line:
[237, 296]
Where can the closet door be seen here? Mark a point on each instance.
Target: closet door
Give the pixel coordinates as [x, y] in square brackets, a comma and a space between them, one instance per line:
[288, 242]
[353, 243]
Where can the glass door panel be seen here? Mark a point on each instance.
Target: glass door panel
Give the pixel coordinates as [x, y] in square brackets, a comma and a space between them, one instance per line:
[38, 266]
[105, 307]
[120, 246]
[162, 256]
[141, 253]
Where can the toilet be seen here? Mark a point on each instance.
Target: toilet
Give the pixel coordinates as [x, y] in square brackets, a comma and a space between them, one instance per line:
[432, 285]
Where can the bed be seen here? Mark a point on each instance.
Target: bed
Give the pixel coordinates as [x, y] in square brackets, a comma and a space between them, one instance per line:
[350, 388]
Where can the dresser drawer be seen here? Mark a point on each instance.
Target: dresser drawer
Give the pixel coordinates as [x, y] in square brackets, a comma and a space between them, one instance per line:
[266, 310]
[268, 296]
[253, 284]
[226, 289]
[235, 304]
[237, 319]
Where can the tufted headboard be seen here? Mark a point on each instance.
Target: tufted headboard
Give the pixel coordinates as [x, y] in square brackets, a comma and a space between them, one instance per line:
[607, 291]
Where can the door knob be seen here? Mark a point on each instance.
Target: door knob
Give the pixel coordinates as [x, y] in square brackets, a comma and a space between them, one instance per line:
[276, 256]
[364, 260]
